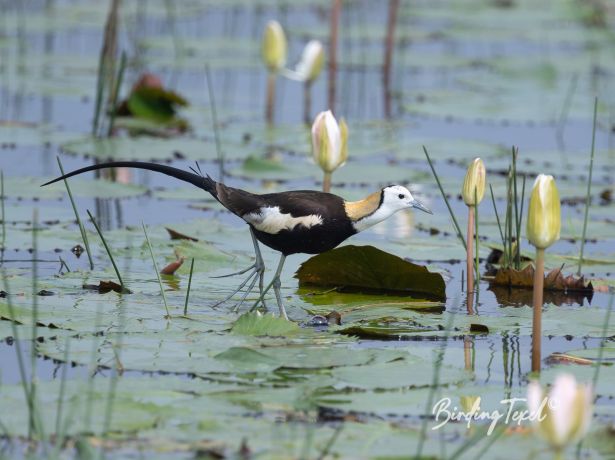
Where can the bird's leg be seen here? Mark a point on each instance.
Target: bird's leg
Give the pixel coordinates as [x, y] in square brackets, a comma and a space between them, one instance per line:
[275, 284]
[257, 270]
[276, 287]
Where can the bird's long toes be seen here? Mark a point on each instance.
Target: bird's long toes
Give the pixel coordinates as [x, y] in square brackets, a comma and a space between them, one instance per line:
[240, 272]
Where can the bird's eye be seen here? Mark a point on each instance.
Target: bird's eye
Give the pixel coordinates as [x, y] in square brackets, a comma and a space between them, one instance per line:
[401, 196]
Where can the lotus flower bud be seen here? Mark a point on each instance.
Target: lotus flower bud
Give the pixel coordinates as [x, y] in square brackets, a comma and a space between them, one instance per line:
[544, 215]
[274, 46]
[311, 63]
[565, 416]
[475, 179]
[329, 142]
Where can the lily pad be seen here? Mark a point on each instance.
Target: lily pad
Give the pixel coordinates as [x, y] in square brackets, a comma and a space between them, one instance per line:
[370, 269]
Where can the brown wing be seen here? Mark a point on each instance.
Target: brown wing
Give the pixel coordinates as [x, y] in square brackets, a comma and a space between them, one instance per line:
[239, 202]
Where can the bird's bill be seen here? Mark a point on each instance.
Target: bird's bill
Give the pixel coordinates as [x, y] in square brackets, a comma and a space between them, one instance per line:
[418, 205]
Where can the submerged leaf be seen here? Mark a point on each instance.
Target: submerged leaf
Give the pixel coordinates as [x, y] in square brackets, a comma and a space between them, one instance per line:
[260, 325]
[368, 268]
[107, 286]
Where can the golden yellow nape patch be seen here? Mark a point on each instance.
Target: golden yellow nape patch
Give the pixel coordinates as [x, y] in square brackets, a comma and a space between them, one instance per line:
[357, 210]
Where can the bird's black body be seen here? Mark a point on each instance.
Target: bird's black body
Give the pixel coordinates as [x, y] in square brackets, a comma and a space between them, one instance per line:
[335, 227]
[282, 229]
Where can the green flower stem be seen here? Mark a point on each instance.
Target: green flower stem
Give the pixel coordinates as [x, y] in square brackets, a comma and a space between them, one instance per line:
[270, 97]
[470, 250]
[326, 182]
[539, 278]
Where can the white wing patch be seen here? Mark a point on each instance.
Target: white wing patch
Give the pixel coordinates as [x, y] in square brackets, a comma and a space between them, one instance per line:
[271, 220]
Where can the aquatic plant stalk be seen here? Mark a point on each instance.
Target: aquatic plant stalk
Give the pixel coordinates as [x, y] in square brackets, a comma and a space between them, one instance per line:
[60, 406]
[307, 102]
[389, 44]
[589, 189]
[21, 364]
[84, 235]
[104, 242]
[336, 7]
[164, 296]
[115, 94]
[563, 116]
[497, 218]
[450, 210]
[189, 285]
[31, 425]
[517, 255]
[477, 264]
[2, 215]
[216, 128]
[270, 103]
[470, 250]
[539, 278]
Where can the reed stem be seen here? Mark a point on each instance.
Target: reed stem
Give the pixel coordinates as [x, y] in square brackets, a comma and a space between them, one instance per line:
[164, 296]
[3, 216]
[104, 242]
[189, 285]
[115, 95]
[450, 210]
[539, 278]
[336, 7]
[589, 188]
[389, 43]
[216, 127]
[497, 218]
[84, 235]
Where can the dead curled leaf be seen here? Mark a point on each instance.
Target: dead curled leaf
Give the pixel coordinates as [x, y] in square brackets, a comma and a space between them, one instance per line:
[175, 235]
[554, 280]
[172, 267]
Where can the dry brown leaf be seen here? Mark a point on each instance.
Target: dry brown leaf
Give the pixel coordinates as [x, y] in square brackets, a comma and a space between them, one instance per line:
[554, 280]
[172, 267]
[569, 359]
[175, 235]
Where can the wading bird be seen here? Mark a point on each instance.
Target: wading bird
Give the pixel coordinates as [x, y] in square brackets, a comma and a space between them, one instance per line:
[298, 221]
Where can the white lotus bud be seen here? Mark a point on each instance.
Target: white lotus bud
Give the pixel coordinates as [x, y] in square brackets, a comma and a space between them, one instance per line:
[329, 142]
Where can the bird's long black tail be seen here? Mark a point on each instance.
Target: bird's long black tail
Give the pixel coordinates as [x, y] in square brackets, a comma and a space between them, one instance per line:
[202, 181]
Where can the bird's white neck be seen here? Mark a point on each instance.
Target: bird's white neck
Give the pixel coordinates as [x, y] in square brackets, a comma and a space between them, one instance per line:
[382, 213]
[368, 211]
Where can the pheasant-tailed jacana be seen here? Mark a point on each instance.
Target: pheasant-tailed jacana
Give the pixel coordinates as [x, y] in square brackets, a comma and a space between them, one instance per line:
[299, 221]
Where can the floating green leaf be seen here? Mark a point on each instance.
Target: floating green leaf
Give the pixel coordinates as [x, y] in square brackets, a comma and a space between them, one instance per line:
[370, 269]
[258, 324]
